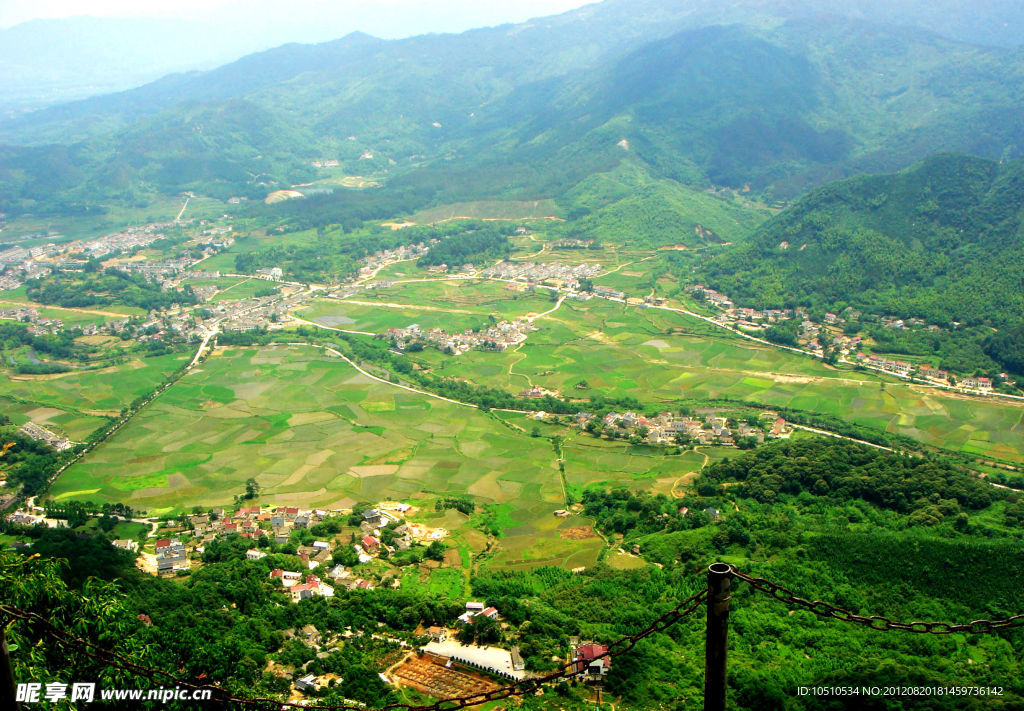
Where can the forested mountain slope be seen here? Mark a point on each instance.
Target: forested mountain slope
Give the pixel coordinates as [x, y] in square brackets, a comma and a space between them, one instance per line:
[776, 104]
[942, 241]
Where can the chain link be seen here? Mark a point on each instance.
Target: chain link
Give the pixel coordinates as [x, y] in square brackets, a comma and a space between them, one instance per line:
[875, 622]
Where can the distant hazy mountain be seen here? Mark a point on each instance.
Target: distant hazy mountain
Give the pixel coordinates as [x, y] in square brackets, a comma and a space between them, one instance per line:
[45, 62]
[737, 92]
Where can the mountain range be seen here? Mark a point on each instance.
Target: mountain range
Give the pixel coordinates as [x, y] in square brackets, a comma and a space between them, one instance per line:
[772, 98]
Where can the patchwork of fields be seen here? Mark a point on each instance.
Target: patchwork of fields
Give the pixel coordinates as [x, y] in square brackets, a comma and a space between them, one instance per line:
[659, 355]
[78, 402]
[315, 432]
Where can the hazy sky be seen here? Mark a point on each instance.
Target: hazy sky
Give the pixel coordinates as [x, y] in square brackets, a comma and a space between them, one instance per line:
[386, 18]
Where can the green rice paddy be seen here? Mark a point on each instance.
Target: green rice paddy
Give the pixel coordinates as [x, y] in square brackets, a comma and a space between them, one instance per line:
[78, 402]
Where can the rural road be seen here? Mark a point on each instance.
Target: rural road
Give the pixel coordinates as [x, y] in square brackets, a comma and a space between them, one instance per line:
[329, 328]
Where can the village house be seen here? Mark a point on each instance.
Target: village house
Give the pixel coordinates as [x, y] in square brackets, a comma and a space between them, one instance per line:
[977, 383]
[287, 577]
[312, 587]
[308, 683]
[589, 661]
[933, 373]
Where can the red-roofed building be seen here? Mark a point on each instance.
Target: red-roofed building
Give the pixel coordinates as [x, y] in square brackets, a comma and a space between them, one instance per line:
[779, 427]
[587, 661]
[370, 543]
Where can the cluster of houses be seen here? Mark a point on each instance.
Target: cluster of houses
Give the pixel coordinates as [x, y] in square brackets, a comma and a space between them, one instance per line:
[300, 588]
[9, 281]
[257, 312]
[560, 276]
[499, 337]
[404, 533]
[40, 325]
[606, 293]
[277, 524]
[813, 336]
[158, 271]
[21, 263]
[536, 392]
[668, 428]
[254, 521]
[926, 372]
[41, 434]
[589, 662]
[171, 556]
[398, 254]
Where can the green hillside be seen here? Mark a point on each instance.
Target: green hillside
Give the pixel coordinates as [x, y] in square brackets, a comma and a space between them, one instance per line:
[629, 206]
[942, 241]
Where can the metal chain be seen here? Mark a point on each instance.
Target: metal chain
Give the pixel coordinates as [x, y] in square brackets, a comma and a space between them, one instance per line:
[525, 686]
[875, 622]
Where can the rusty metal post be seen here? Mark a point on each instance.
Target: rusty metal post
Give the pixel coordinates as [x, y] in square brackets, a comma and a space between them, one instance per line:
[716, 640]
[8, 693]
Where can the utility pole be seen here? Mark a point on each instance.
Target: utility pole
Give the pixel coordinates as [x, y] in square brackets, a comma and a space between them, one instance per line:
[717, 636]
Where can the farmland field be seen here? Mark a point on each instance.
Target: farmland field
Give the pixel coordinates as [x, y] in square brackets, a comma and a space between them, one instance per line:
[315, 432]
[77, 402]
[663, 356]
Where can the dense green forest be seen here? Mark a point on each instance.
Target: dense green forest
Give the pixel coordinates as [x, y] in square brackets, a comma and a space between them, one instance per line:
[767, 100]
[474, 245]
[926, 489]
[111, 286]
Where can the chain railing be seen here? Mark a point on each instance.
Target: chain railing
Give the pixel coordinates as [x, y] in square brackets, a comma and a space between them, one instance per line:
[875, 622]
[716, 596]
